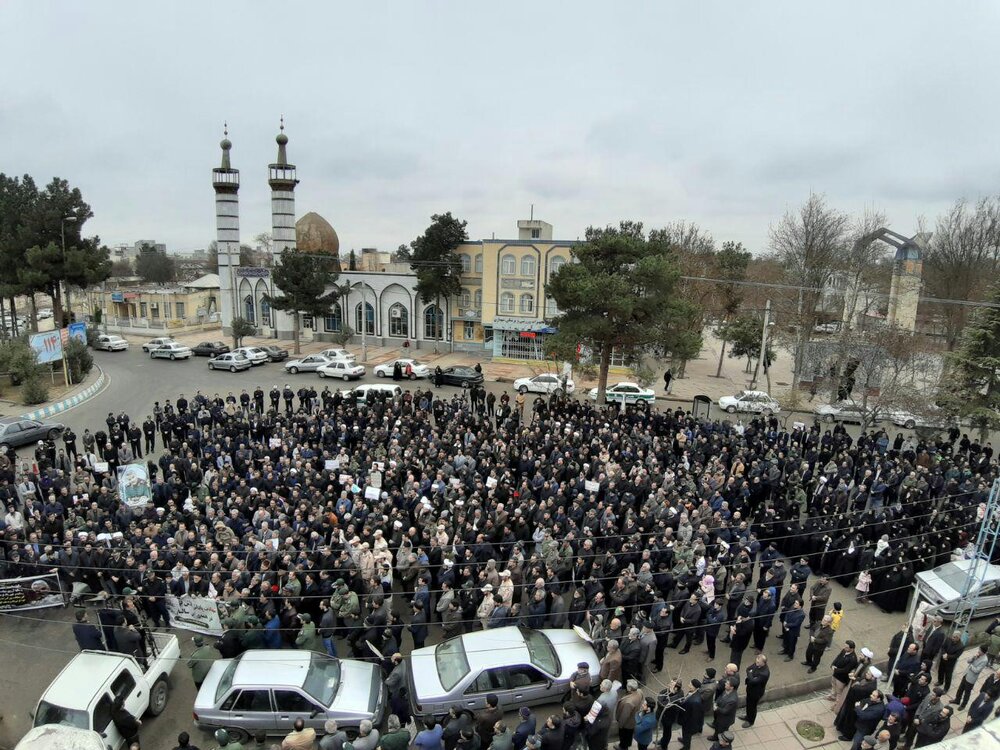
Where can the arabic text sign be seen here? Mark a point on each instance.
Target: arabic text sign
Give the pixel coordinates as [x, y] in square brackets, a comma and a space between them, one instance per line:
[197, 613]
[31, 592]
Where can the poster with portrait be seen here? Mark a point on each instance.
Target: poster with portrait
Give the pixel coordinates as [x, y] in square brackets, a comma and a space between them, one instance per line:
[133, 485]
[31, 592]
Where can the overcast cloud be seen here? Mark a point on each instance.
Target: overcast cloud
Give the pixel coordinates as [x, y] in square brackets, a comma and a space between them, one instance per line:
[593, 111]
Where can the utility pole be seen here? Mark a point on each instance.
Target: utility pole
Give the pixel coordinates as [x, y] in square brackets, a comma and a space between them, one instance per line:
[763, 344]
[364, 323]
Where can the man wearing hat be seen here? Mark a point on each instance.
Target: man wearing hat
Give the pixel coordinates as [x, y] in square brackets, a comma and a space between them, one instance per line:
[201, 660]
[525, 728]
[581, 679]
[723, 740]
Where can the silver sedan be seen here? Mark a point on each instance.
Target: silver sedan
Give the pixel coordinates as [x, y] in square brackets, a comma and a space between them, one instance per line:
[520, 665]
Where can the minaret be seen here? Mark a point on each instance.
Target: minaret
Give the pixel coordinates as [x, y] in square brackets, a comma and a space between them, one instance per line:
[281, 178]
[226, 182]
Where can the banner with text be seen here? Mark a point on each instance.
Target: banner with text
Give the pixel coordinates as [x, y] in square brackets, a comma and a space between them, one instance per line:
[31, 592]
[196, 613]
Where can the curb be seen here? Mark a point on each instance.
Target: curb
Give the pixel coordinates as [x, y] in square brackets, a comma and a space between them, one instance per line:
[85, 395]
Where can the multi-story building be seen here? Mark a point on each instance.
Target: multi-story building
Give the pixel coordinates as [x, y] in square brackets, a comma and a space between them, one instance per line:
[503, 307]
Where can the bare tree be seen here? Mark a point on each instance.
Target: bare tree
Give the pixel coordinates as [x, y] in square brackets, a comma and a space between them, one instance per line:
[810, 243]
[963, 259]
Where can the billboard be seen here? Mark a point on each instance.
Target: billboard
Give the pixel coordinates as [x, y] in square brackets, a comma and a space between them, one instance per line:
[78, 331]
[133, 485]
[47, 345]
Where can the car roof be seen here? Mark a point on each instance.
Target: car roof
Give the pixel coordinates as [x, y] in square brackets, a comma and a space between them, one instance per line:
[485, 649]
[263, 667]
[86, 668]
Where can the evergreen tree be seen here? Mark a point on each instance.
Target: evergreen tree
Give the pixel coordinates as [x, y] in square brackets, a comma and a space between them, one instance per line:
[619, 294]
[432, 257]
[303, 280]
[974, 389]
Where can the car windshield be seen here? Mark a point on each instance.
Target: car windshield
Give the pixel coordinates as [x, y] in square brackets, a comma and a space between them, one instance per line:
[540, 651]
[226, 681]
[953, 576]
[322, 679]
[452, 664]
[51, 714]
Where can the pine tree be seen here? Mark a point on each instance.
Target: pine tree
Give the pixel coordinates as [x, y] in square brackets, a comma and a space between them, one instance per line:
[973, 392]
[303, 280]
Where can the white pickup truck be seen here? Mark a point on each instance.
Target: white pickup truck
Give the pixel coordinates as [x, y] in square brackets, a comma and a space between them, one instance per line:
[83, 692]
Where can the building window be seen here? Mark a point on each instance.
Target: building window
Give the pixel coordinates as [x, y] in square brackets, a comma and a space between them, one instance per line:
[143, 312]
[528, 265]
[507, 302]
[308, 323]
[466, 300]
[334, 321]
[433, 322]
[556, 263]
[265, 312]
[369, 318]
[154, 309]
[527, 303]
[536, 233]
[551, 310]
[479, 263]
[399, 321]
[466, 263]
[508, 265]
[488, 335]
[248, 309]
[166, 310]
[478, 299]
[179, 310]
[469, 330]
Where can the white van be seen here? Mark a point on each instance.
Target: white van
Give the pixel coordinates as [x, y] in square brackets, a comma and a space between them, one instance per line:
[360, 394]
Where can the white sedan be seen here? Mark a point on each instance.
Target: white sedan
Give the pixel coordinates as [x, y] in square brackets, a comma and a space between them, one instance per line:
[845, 411]
[933, 418]
[111, 343]
[341, 368]
[256, 355]
[418, 369]
[307, 364]
[173, 350]
[756, 402]
[156, 343]
[629, 393]
[543, 384]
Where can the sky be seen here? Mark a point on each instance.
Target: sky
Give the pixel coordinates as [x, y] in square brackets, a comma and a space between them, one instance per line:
[725, 114]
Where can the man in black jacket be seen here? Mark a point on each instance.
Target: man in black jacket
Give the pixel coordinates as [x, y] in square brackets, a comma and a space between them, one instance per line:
[951, 651]
[843, 665]
[933, 641]
[758, 674]
[692, 715]
[689, 619]
[88, 636]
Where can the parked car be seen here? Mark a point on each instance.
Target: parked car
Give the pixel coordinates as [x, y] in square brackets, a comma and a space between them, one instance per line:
[755, 402]
[362, 392]
[262, 690]
[520, 665]
[275, 353]
[418, 369]
[944, 587]
[156, 343]
[210, 348]
[82, 694]
[826, 328]
[307, 364]
[173, 350]
[630, 393]
[464, 377]
[111, 343]
[845, 411]
[231, 361]
[44, 314]
[543, 384]
[255, 354]
[61, 737]
[341, 368]
[15, 432]
[935, 418]
[338, 354]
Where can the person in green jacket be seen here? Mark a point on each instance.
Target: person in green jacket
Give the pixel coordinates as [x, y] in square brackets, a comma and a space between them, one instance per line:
[201, 660]
[308, 639]
[395, 737]
[225, 741]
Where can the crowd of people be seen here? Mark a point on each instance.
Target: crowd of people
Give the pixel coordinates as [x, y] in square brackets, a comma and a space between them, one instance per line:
[650, 530]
